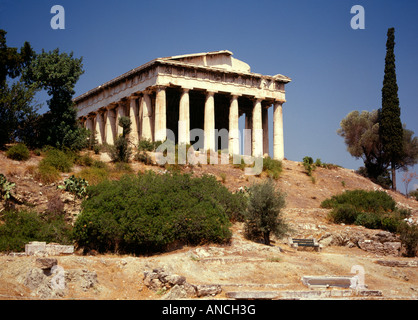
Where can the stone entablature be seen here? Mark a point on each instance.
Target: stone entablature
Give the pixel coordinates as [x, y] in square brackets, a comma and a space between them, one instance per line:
[207, 84]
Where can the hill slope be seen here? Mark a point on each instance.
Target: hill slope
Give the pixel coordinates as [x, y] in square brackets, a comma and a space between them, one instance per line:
[242, 265]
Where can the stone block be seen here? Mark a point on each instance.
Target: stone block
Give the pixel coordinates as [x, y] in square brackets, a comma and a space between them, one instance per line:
[45, 263]
[35, 247]
[208, 290]
[38, 247]
[252, 295]
[331, 281]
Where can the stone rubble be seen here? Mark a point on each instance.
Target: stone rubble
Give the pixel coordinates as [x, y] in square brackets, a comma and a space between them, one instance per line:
[178, 288]
[47, 280]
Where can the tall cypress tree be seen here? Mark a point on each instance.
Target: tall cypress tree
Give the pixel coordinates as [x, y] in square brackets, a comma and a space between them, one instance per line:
[391, 131]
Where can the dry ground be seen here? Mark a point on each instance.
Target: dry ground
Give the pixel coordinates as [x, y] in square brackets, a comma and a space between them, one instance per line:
[241, 265]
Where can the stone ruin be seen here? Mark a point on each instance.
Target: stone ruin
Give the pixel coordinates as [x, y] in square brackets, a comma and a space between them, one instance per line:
[42, 248]
[176, 286]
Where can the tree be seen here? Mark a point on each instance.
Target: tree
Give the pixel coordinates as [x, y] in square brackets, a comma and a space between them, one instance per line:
[16, 107]
[407, 178]
[57, 73]
[361, 134]
[264, 212]
[16, 112]
[390, 126]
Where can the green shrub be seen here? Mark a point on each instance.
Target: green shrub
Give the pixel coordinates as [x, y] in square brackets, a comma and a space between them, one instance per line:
[272, 167]
[264, 212]
[414, 194]
[18, 152]
[6, 187]
[96, 149]
[85, 160]
[74, 185]
[146, 145]
[369, 220]
[391, 222]
[20, 227]
[409, 238]
[143, 157]
[58, 159]
[361, 200]
[344, 213]
[148, 212]
[371, 209]
[121, 151]
[99, 164]
[308, 164]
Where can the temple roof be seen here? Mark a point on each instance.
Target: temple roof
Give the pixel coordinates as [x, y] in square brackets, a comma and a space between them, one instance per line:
[216, 60]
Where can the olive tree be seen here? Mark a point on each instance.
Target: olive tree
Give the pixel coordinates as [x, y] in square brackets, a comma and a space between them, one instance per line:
[264, 212]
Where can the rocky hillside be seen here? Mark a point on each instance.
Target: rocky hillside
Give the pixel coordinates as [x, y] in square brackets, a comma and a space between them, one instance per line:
[242, 266]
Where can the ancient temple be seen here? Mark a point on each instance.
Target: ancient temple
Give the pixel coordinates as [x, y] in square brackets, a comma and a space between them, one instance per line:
[209, 91]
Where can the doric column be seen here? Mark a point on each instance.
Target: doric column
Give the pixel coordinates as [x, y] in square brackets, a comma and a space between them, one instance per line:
[119, 112]
[100, 128]
[110, 126]
[209, 126]
[247, 133]
[140, 116]
[257, 130]
[160, 127]
[146, 107]
[133, 116]
[233, 143]
[184, 118]
[278, 143]
[265, 131]
[89, 122]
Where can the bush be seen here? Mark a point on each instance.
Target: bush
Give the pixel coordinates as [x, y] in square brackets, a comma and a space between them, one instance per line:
[121, 151]
[361, 200]
[148, 212]
[85, 160]
[344, 213]
[58, 159]
[373, 210]
[369, 220]
[20, 227]
[272, 167]
[18, 152]
[94, 175]
[142, 156]
[264, 212]
[46, 173]
[308, 164]
[146, 145]
[414, 194]
[409, 238]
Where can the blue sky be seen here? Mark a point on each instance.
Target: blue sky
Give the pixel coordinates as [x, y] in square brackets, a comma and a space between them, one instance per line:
[334, 68]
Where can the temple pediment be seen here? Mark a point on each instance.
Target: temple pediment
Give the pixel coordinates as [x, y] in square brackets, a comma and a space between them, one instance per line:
[219, 59]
